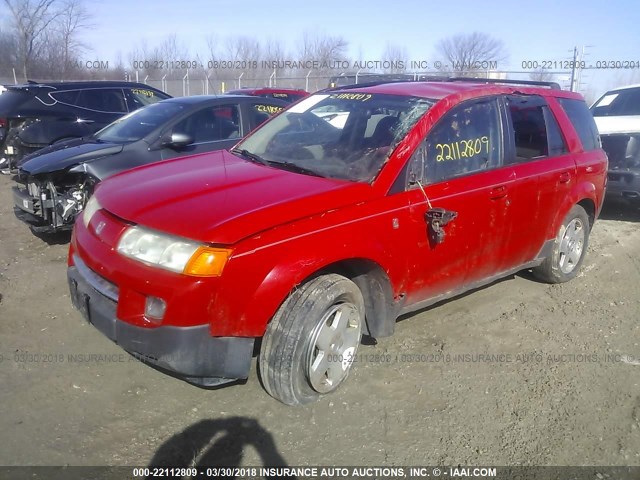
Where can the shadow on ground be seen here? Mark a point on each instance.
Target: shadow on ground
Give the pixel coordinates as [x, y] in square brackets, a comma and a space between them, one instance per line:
[219, 442]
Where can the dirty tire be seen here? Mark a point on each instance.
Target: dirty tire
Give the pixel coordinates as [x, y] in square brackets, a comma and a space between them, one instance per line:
[569, 249]
[306, 349]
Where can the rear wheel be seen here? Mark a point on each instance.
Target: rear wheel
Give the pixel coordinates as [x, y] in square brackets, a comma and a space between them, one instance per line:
[311, 343]
[569, 248]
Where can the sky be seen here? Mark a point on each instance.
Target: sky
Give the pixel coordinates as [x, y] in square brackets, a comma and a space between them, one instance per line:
[543, 30]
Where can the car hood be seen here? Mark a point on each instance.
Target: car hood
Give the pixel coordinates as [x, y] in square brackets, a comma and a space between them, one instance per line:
[618, 124]
[219, 198]
[67, 154]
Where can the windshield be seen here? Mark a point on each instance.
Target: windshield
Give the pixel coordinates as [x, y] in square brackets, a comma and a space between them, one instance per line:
[341, 135]
[620, 102]
[139, 124]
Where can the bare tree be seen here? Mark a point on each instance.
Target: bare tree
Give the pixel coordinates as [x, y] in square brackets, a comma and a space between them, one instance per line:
[541, 75]
[395, 59]
[7, 46]
[170, 58]
[31, 19]
[322, 48]
[73, 19]
[470, 53]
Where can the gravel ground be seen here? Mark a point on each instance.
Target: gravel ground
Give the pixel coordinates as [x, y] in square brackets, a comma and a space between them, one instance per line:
[517, 373]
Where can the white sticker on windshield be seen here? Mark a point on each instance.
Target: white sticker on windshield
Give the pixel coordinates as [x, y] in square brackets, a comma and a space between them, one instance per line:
[307, 103]
[606, 100]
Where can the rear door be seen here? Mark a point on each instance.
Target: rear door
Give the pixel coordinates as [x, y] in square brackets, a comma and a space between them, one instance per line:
[545, 174]
[458, 170]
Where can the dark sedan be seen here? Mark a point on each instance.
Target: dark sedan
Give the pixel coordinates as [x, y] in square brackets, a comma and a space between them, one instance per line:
[55, 183]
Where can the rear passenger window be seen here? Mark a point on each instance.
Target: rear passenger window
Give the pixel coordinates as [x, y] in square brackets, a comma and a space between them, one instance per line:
[536, 132]
[468, 139]
[98, 99]
[583, 122]
[70, 97]
[557, 145]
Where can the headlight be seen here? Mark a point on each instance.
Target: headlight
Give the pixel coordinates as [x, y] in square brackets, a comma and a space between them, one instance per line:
[172, 253]
[90, 209]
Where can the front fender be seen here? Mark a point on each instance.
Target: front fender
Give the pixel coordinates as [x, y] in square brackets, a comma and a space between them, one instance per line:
[255, 283]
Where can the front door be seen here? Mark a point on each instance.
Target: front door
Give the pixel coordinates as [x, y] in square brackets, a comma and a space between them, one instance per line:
[459, 201]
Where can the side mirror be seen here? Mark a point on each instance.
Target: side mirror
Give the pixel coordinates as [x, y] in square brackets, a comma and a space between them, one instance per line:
[178, 140]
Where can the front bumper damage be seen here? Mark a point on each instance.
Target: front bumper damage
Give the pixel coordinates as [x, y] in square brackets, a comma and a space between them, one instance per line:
[187, 352]
[44, 208]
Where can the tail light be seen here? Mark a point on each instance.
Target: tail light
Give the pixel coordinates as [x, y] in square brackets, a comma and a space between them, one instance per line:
[3, 122]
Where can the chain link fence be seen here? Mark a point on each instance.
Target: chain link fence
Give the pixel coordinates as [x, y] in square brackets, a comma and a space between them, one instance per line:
[199, 82]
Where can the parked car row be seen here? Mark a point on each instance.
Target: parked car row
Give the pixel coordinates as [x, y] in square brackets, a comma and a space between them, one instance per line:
[56, 182]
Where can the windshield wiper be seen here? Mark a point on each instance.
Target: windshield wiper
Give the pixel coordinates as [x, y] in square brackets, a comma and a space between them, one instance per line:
[292, 167]
[251, 156]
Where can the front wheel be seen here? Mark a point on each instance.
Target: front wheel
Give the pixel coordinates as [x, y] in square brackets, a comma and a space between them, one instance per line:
[569, 248]
[311, 343]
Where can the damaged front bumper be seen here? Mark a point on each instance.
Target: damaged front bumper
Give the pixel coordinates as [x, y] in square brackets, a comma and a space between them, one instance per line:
[44, 209]
[187, 352]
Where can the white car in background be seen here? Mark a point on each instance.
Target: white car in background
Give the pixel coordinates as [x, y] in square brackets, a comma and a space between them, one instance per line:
[617, 115]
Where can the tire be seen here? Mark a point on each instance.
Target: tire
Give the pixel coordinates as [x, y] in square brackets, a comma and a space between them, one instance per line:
[309, 347]
[569, 249]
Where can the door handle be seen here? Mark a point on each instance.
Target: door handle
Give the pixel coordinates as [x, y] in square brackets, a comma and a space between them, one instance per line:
[436, 219]
[498, 192]
[565, 177]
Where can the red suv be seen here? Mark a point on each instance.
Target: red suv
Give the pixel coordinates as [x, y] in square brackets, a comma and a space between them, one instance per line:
[308, 235]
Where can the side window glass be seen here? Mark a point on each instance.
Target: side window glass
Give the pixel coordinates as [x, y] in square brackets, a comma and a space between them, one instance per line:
[211, 124]
[582, 121]
[141, 97]
[70, 97]
[529, 129]
[468, 139]
[102, 100]
[261, 113]
[557, 145]
[536, 133]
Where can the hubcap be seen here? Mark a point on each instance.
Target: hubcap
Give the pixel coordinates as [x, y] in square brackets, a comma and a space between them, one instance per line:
[333, 346]
[571, 246]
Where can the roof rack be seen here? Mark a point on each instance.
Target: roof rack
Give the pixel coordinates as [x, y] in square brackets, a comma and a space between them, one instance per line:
[553, 85]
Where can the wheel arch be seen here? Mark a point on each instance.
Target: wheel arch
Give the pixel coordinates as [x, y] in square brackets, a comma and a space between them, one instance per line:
[376, 289]
[584, 195]
[589, 207]
[273, 290]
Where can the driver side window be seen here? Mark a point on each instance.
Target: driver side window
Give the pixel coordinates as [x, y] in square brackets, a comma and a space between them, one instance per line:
[211, 124]
[466, 140]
